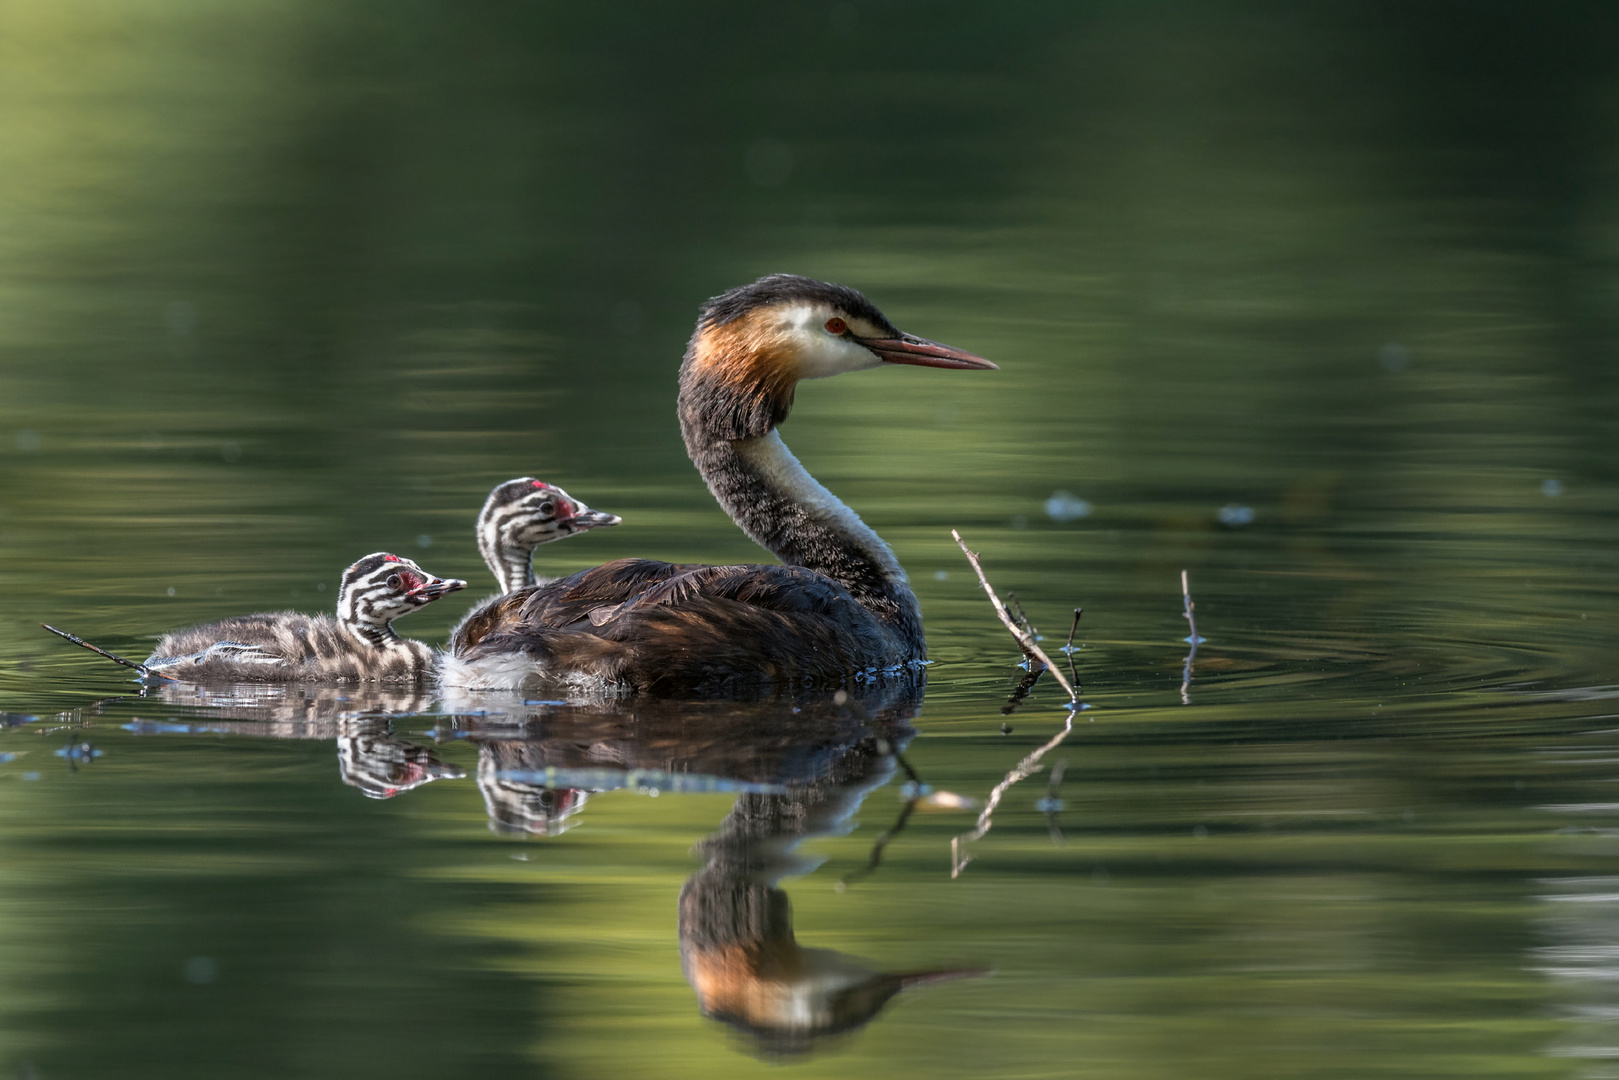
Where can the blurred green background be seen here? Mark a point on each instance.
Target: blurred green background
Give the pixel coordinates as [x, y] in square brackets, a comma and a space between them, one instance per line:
[1317, 302]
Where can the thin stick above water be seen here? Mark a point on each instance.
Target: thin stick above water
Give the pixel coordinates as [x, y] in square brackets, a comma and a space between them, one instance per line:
[1068, 649]
[1186, 599]
[1186, 666]
[1025, 640]
[114, 657]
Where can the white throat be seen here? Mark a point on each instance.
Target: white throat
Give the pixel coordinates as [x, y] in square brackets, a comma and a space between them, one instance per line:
[818, 354]
[770, 457]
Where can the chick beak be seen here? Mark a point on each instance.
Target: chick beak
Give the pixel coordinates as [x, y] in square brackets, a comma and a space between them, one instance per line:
[910, 349]
[586, 518]
[434, 588]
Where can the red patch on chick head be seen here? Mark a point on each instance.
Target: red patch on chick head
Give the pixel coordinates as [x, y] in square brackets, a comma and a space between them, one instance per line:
[405, 582]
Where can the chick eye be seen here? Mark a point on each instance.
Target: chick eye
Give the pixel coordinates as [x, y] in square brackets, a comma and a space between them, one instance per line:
[548, 507]
[837, 326]
[393, 582]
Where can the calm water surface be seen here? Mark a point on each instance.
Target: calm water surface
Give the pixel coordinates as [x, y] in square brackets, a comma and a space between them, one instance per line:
[1319, 308]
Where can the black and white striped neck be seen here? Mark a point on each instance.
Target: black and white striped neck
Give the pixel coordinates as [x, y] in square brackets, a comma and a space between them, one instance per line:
[513, 566]
[373, 635]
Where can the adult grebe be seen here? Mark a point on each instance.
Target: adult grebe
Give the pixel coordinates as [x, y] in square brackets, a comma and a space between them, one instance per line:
[841, 605]
[359, 645]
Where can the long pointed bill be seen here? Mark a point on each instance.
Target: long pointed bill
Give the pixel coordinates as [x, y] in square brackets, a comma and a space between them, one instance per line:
[910, 349]
[586, 518]
[436, 588]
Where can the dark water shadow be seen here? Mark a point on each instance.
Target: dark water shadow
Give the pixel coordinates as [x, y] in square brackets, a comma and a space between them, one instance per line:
[801, 769]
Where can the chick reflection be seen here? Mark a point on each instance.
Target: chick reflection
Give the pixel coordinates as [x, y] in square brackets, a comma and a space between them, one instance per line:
[381, 764]
[736, 931]
[370, 756]
[522, 806]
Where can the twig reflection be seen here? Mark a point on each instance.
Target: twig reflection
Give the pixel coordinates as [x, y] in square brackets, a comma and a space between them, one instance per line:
[959, 855]
[1052, 804]
[881, 843]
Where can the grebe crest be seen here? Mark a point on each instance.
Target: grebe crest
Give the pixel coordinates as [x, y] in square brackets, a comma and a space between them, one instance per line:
[755, 343]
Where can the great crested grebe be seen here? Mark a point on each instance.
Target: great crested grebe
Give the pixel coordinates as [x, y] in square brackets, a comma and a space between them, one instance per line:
[359, 645]
[518, 517]
[840, 605]
[522, 514]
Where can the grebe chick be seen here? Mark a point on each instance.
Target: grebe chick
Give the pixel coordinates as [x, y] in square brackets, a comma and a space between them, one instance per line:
[359, 645]
[518, 517]
[841, 604]
[522, 514]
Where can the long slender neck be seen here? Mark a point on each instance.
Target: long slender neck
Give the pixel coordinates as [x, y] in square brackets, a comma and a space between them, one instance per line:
[371, 634]
[512, 565]
[785, 510]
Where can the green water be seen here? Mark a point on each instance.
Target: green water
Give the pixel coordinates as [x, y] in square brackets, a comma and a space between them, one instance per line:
[283, 284]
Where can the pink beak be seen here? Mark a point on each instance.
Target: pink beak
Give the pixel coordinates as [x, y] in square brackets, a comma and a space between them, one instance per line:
[910, 349]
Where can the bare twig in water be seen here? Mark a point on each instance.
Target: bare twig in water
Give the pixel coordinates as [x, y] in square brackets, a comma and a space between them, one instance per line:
[959, 857]
[1024, 640]
[1036, 669]
[1191, 655]
[79, 641]
[1068, 649]
[1186, 598]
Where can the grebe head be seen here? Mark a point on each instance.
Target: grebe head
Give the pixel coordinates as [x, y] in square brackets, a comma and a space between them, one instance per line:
[753, 345]
[382, 587]
[524, 513]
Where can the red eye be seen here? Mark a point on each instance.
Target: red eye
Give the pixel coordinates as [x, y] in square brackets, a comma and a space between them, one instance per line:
[837, 326]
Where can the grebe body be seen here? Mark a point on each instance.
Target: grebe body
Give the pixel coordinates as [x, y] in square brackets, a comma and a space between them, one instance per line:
[841, 605]
[358, 645]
